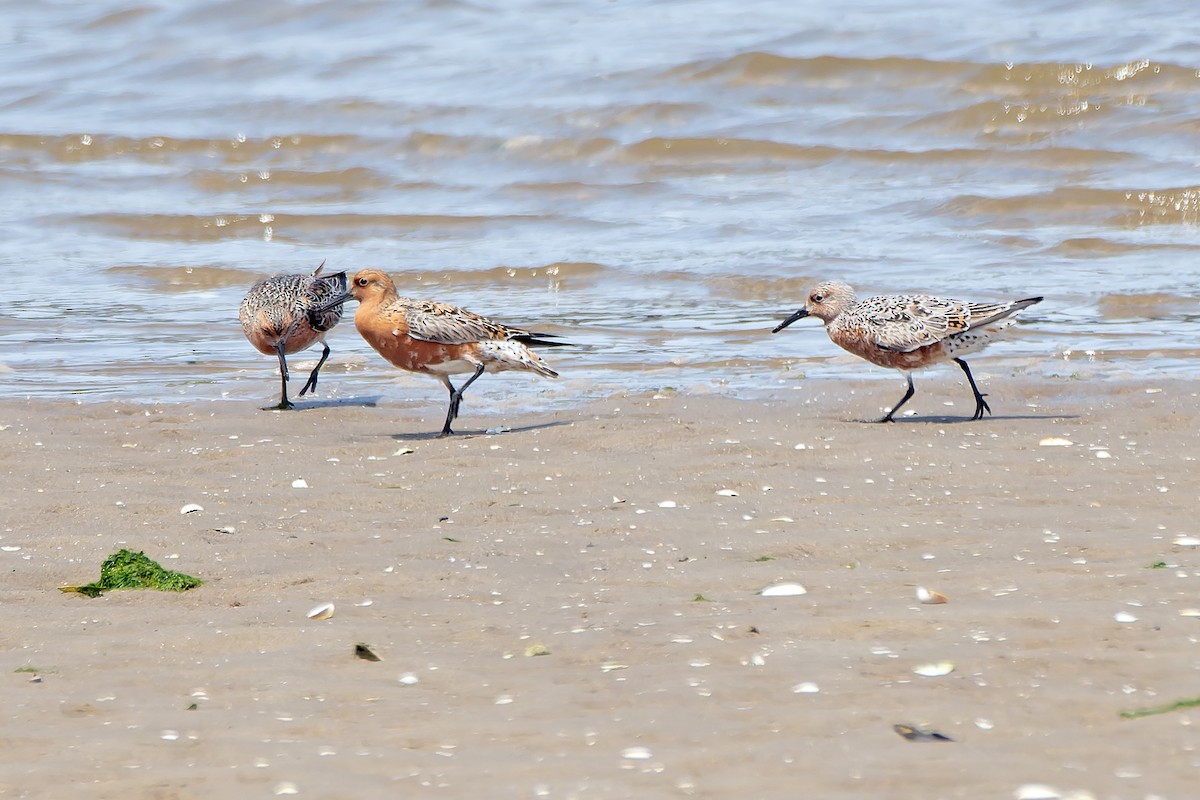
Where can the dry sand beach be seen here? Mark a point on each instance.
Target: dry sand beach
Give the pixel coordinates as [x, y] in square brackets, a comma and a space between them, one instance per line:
[627, 542]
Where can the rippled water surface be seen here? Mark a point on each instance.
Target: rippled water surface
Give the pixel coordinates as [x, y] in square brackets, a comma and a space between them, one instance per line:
[658, 181]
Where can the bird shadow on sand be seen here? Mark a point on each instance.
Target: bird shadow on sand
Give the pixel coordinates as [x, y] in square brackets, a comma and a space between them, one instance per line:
[471, 434]
[947, 420]
[334, 402]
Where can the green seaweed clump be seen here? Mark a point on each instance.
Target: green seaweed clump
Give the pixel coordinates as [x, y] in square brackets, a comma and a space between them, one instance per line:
[128, 570]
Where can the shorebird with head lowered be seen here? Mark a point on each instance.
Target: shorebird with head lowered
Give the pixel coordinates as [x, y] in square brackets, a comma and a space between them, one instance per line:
[438, 339]
[289, 313]
[909, 332]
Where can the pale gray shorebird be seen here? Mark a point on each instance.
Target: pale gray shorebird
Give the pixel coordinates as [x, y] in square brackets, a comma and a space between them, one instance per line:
[438, 339]
[908, 332]
[289, 313]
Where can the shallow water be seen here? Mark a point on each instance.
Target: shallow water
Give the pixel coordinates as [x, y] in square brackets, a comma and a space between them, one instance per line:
[660, 182]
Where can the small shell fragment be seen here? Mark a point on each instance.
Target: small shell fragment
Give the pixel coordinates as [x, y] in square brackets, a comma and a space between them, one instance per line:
[935, 670]
[1189, 612]
[667, 504]
[299, 483]
[365, 653]
[783, 590]
[1187, 541]
[286, 787]
[1124, 616]
[915, 734]
[636, 753]
[1055, 441]
[403, 451]
[930, 597]
[1036, 791]
[727, 493]
[323, 611]
[408, 679]
[806, 687]
[536, 650]
[191, 508]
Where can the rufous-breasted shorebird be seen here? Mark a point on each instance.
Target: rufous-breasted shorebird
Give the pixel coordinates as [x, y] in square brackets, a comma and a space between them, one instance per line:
[438, 339]
[908, 332]
[289, 313]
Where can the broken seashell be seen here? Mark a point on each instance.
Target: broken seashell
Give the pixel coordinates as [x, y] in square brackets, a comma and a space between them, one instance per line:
[915, 734]
[783, 590]
[365, 653]
[1037, 791]
[935, 670]
[667, 504]
[727, 493]
[636, 753]
[1187, 541]
[190, 508]
[1189, 612]
[299, 483]
[1124, 616]
[323, 611]
[930, 597]
[403, 451]
[1055, 441]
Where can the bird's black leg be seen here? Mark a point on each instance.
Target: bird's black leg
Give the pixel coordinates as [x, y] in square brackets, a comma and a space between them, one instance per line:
[284, 403]
[456, 396]
[903, 400]
[312, 379]
[452, 412]
[980, 404]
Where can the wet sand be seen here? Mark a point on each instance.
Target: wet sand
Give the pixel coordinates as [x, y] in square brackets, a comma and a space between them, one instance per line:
[666, 674]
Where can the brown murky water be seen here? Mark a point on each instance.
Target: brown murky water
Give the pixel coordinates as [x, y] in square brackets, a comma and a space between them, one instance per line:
[658, 181]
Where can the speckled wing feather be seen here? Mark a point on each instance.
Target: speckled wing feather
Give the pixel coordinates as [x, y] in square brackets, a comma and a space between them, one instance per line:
[907, 323]
[320, 290]
[442, 323]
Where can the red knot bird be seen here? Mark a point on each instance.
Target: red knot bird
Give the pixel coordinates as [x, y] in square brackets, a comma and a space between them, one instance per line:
[439, 339]
[908, 332]
[289, 313]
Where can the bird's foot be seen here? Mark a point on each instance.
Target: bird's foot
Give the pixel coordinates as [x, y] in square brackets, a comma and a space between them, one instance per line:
[980, 407]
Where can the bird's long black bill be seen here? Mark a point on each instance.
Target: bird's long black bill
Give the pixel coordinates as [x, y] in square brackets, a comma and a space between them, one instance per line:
[801, 314]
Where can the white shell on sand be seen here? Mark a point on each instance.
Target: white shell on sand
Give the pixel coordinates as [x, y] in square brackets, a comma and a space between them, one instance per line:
[783, 590]
[727, 493]
[323, 611]
[299, 483]
[637, 753]
[1055, 441]
[1036, 791]
[806, 687]
[930, 597]
[1187, 541]
[286, 787]
[936, 670]
[1124, 616]
[191, 507]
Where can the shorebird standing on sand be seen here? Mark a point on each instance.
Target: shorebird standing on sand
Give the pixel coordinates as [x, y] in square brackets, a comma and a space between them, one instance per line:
[908, 332]
[289, 313]
[439, 339]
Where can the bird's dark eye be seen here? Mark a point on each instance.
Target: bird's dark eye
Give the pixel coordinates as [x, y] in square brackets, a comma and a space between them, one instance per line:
[362, 281]
[818, 298]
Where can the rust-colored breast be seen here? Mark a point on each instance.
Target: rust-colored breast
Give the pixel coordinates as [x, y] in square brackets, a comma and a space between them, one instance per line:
[385, 328]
